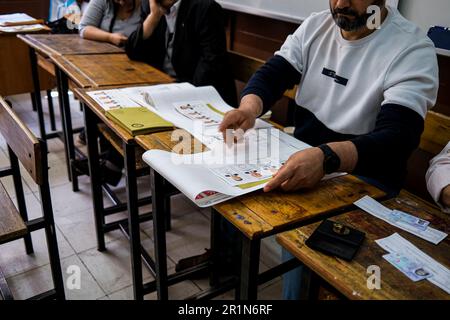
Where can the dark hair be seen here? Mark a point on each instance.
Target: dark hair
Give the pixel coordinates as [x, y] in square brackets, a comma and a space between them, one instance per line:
[115, 10]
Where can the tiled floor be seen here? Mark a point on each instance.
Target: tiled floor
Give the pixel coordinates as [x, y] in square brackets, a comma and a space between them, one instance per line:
[104, 275]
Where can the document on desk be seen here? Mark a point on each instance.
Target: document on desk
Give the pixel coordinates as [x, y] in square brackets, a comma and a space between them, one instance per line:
[112, 99]
[208, 178]
[7, 19]
[143, 94]
[199, 111]
[399, 246]
[25, 28]
[402, 220]
[132, 97]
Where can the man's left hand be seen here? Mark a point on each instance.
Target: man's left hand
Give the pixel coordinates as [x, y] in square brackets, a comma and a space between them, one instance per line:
[303, 169]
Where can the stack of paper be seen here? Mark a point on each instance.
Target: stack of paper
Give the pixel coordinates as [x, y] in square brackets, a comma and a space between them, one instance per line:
[15, 19]
[414, 263]
[401, 220]
[19, 22]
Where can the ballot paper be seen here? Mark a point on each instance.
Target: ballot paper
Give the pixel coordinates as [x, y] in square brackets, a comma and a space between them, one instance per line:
[396, 244]
[402, 220]
[112, 99]
[211, 109]
[132, 97]
[143, 94]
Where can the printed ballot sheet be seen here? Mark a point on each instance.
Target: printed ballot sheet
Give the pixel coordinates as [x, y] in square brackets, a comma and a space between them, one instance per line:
[132, 97]
[112, 99]
[402, 220]
[198, 110]
[215, 176]
[143, 94]
[413, 262]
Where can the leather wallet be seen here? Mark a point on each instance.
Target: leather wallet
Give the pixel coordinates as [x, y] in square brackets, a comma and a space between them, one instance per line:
[336, 239]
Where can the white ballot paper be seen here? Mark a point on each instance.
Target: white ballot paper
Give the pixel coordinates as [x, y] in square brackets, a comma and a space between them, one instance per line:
[143, 94]
[132, 97]
[198, 110]
[112, 99]
[402, 220]
[215, 176]
[397, 245]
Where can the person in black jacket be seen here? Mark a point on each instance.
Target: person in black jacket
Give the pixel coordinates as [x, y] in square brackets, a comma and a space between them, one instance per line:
[186, 39]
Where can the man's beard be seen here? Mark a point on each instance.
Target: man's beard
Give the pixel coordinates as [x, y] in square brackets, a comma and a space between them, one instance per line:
[347, 24]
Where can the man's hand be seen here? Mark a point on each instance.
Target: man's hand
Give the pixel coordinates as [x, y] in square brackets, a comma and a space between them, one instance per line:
[117, 39]
[303, 169]
[445, 197]
[244, 117]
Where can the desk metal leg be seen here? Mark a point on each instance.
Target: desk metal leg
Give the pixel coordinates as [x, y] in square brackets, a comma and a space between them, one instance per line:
[63, 84]
[90, 121]
[51, 110]
[63, 124]
[133, 220]
[37, 93]
[248, 289]
[159, 231]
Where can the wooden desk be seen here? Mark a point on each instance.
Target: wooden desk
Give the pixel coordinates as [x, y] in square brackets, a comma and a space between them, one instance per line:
[100, 70]
[41, 49]
[15, 67]
[256, 216]
[350, 278]
[95, 71]
[94, 114]
[62, 44]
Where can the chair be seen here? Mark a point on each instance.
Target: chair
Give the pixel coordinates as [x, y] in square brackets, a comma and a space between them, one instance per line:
[25, 148]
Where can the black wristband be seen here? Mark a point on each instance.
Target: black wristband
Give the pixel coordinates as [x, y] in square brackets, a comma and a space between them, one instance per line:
[331, 161]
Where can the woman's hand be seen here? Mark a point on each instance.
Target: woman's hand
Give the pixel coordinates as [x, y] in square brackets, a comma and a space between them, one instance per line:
[118, 39]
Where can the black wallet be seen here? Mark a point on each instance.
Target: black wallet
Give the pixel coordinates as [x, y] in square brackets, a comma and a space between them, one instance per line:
[336, 239]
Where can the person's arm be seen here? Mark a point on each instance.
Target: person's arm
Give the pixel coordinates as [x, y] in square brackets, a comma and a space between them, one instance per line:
[445, 197]
[438, 179]
[90, 23]
[395, 137]
[266, 87]
[97, 34]
[139, 44]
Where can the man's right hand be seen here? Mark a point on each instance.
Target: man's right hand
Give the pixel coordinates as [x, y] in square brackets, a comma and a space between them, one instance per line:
[117, 39]
[244, 117]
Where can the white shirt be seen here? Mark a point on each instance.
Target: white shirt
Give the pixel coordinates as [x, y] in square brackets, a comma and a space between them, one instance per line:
[345, 83]
[171, 19]
[438, 175]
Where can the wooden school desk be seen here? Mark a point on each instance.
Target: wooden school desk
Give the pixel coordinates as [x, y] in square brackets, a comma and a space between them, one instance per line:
[134, 167]
[96, 71]
[41, 48]
[255, 216]
[350, 278]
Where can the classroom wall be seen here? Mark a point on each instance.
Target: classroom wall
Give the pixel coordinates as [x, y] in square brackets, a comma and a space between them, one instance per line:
[426, 13]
